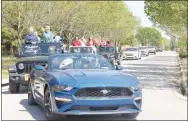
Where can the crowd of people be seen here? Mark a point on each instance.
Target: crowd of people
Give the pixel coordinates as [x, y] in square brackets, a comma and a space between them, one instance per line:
[47, 36]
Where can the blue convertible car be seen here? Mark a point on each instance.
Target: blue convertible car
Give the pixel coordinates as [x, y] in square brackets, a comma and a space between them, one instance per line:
[83, 84]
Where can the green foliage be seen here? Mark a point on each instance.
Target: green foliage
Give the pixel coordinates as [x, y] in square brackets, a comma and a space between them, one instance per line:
[169, 15]
[148, 36]
[183, 54]
[109, 19]
[182, 44]
[7, 61]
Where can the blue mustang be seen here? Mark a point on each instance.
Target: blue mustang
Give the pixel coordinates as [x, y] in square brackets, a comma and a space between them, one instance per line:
[83, 84]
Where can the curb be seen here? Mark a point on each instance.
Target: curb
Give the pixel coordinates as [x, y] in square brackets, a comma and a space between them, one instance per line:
[5, 84]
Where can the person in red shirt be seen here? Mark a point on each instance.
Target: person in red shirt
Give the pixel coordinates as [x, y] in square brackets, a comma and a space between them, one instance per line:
[76, 42]
[108, 43]
[91, 42]
[102, 43]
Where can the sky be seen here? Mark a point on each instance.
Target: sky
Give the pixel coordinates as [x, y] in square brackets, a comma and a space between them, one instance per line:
[137, 8]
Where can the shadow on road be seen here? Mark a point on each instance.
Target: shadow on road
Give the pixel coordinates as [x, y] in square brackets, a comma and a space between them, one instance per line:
[37, 113]
[23, 90]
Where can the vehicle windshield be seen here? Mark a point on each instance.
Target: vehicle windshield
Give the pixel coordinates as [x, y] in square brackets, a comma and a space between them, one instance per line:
[106, 49]
[80, 50]
[40, 49]
[63, 62]
[131, 49]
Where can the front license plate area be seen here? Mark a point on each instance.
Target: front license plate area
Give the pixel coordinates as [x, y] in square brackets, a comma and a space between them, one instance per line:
[26, 77]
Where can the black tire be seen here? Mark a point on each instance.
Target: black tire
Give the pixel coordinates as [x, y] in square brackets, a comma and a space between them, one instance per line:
[14, 87]
[155, 53]
[47, 108]
[131, 115]
[31, 100]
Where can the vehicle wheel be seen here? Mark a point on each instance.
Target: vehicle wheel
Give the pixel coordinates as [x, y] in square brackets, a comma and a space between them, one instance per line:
[155, 53]
[119, 62]
[131, 115]
[113, 62]
[14, 87]
[48, 110]
[31, 99]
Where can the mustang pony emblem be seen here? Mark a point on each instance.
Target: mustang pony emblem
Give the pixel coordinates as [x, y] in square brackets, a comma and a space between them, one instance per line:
[104, 91]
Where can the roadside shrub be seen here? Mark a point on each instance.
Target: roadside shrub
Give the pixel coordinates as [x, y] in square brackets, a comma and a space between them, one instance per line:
[6, 61]
[183, 54]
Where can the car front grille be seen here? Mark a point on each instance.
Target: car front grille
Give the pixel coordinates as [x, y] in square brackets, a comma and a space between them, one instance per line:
[29, 66]
[102, 108]
[109, 92]
[127, 54]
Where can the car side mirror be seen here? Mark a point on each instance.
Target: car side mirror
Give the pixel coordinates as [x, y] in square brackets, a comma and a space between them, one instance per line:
[38, 67]
[119, 67]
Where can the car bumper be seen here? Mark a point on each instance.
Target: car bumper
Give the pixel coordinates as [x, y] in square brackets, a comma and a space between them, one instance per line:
[130, 57]
[19, 78]
[144, 53]
[83, 106]
[152, 51]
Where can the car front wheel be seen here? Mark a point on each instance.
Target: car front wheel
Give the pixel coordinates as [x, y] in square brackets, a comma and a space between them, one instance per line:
[14, 87]
[31, 99]
[47, 103]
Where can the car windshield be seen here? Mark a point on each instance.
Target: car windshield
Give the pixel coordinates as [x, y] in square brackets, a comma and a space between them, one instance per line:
[80, 50]
[80, 61]
[40, 49]
[106, 49]
[131, 49]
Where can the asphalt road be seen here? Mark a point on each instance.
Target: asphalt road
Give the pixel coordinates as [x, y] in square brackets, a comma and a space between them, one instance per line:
[158, 74]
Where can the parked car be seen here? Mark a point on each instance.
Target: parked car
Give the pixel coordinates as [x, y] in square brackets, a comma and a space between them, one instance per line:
[132, 53]
[81, 49]
[159, 50]
[152, 49]
[84, 84]
[144, 50]
[30, 55]
[112, 54]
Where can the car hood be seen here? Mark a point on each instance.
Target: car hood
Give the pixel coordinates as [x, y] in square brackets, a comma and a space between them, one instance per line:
[92, 78]
[33, 58]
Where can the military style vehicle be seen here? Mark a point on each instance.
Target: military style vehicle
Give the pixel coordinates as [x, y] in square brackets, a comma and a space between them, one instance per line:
[28, 56]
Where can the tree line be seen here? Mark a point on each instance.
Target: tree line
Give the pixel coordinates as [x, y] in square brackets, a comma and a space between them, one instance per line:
[104, 19]
[170, 16]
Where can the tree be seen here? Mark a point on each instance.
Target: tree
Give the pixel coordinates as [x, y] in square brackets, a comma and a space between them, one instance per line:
[171, 16]
[109, 19]
[148, 36]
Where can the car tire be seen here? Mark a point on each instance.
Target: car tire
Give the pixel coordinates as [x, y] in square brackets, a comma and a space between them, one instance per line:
[31, 100]
[14, 87]
[131, 115]
[47, 108]
[154, 53]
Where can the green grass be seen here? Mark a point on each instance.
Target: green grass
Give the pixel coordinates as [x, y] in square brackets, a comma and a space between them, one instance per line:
[5, 74]
[6, 61]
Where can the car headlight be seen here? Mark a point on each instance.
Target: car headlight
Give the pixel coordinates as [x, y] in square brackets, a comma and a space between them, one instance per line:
[59, 88]
[136, 88]
[21, 66]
